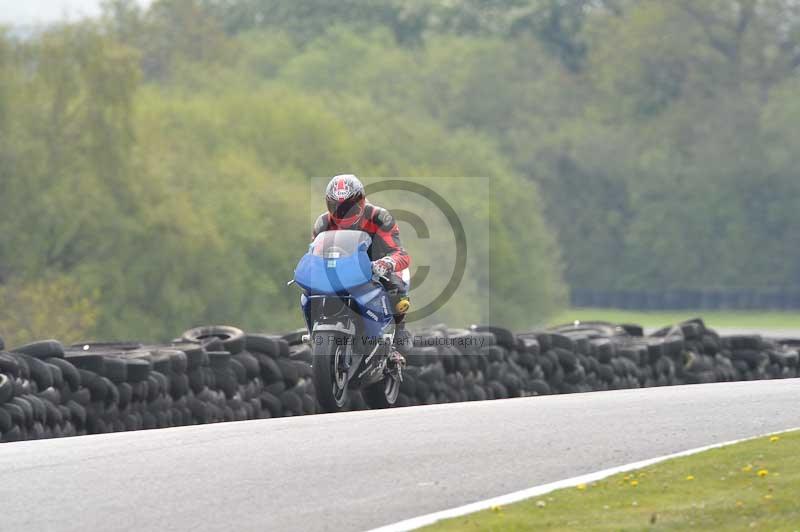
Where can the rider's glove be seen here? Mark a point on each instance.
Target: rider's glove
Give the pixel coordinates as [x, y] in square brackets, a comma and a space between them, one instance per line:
[383, 267]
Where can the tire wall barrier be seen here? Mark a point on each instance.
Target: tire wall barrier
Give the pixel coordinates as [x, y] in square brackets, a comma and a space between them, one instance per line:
[215, 374]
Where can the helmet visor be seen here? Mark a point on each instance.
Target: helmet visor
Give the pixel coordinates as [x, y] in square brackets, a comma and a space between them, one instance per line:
[349, 210]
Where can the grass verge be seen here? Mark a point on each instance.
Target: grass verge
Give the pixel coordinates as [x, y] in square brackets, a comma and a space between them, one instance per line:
[754, 485]
[714, 319]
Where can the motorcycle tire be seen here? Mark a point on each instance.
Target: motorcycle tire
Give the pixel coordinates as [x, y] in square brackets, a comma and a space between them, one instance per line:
[382, 394]
[332, 393]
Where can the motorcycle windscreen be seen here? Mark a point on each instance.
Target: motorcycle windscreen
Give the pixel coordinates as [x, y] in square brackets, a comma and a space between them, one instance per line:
[336, 262]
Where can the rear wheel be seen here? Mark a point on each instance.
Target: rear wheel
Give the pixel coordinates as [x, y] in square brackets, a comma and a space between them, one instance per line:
[382, 394]
[330, 379]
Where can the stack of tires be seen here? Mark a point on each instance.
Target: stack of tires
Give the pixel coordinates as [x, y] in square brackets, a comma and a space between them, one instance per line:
[218, 373]
[41, 394]
[284, 366]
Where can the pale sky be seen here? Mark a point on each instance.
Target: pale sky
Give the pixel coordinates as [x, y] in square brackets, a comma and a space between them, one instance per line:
[27, 12]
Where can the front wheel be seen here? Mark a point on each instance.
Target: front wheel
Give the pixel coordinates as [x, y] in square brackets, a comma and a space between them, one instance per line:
[330, 377]
[382, 394]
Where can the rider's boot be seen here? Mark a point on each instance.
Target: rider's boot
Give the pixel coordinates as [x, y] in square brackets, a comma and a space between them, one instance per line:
[402, 339]
[401, 345]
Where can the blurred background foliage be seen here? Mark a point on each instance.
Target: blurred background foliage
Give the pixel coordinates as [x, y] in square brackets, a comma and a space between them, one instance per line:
[155, 163]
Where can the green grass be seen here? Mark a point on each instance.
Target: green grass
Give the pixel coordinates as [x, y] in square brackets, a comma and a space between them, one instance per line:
[754, 485]
[714, 319]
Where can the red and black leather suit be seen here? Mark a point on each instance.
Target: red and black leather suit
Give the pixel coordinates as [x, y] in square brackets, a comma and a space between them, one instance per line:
[380, 225]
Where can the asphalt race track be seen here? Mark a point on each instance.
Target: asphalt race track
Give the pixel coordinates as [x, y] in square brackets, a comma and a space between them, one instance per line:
[359, 470]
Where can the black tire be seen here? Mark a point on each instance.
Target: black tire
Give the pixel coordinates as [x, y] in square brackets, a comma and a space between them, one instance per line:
[632, 353]
[239, 371]
[262, 343]
[295, 337]
[5, 421]
[162, 362]
[330, 384]
[9, 365]
[197, 380]
[567, 359]
[42, 349]
[178, 361]
[69, 372]
[530, 345]
[233, 339]
[125, 392]
[744, 342]
[57, 374]
[301, 353]
[83, 397]
[15, 412]
[137, 369]
[753, 358]
[15, 434]
[309, 404]
[604, 349]
[97, 388]
[271, 403]
[225, 381]
[38, 406]
[196, 358]
[115, 369]
[250, 363]
[382, 394]
[39, 371]
[27, 409]
[539, 387]
[503, 337]
[219, 359]
[276, 388]
[289, 371]
[292, 402]
[87, 361]
[270, 372]
[195, 354]
[499, 391]
[162, 383]
[6, 389]
[632, 329]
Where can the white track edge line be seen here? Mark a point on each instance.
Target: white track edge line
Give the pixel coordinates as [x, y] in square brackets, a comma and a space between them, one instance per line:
[509, 498]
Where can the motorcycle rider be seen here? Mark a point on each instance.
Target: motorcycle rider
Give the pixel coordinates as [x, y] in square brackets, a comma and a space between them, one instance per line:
[348, 209]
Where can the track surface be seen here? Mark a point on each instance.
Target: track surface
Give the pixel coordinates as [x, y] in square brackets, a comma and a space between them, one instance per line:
[359, 470]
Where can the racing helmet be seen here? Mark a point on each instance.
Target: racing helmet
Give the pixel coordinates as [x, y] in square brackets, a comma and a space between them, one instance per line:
[345, 199]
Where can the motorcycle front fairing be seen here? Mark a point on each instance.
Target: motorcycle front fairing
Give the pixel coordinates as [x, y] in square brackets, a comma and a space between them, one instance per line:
[337, 265]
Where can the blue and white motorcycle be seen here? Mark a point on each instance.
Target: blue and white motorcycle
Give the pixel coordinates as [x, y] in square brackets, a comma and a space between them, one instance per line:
[350, 322]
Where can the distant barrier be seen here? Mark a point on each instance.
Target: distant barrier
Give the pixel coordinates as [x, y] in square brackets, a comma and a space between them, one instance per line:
[688, 299]
[215, 374]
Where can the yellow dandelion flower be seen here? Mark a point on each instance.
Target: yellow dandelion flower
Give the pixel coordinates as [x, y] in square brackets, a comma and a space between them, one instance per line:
[581, 486]
[768, 496]
[626, 477]
[747, 468]
[690, 477]
[634, 483]
[774, 438]
[762, 473]
[497, 508]
[739, 504]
